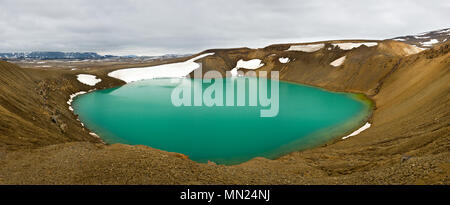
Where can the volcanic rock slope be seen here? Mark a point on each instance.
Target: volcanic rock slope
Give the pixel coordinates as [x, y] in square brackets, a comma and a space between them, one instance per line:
[408, 142]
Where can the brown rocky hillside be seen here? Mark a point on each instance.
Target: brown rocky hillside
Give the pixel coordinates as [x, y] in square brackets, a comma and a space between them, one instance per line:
[408, 143]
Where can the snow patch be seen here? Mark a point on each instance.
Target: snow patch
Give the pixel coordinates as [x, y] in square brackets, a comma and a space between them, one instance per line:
[88, 79]
[430, 42]
[284, 60]
[421, 37]
[306, 48]
[93, 134]
[250, 64]
[171, 70]
[399, 39]
[338, 61]
[366, 126]
[349, 46]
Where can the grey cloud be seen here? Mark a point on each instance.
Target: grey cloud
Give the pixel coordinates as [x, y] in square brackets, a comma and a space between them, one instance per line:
[180, 26]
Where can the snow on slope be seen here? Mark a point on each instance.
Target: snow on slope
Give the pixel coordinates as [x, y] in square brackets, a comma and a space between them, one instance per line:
[284, 60]
[425, 39]
[338, 61]
[250, 64]
[88, 79]
[306, 48]
[444, 31]
[171, 70]
[349, 46]
[430, 42]
[365, 127]
[421, 37]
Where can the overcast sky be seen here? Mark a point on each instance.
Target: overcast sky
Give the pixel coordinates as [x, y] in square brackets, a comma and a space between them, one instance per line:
[154, 27]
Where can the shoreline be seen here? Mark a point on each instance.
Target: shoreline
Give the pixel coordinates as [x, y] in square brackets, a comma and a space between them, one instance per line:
[357, 96]
[71, 100]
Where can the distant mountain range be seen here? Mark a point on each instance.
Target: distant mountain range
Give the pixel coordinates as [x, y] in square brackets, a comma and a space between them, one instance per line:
[44, 55]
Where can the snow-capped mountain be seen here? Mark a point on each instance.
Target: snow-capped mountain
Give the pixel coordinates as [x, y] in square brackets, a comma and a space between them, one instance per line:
[426, 39]
[43, 55]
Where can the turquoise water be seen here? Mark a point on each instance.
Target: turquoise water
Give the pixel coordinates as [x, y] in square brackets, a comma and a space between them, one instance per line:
[143, 113]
